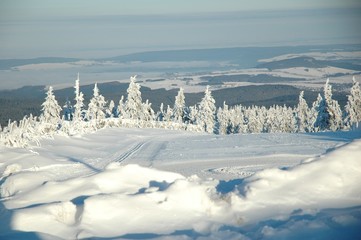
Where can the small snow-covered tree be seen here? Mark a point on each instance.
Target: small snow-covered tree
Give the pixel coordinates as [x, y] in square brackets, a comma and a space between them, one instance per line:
[50, 116]
[96, 106]
[160, 114]
[120, 112]
[207, 111]
[110, 111]
[68, 110]
[353, 106]
[179, 106]
[193, 113]
[148, 113]
[79, 111]
[168, 114]
[133, 105]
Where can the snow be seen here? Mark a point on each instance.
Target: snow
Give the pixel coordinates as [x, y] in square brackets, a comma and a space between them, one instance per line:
[339, 55]
[152, 183]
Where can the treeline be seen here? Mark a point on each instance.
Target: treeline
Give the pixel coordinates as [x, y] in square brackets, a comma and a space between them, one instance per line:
[74, 117]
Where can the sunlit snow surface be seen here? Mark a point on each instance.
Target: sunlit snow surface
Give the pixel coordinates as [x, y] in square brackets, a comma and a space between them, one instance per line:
[147, 183]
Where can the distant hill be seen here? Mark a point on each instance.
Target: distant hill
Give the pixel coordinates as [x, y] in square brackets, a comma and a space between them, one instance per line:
[6, 64]
[309, 62]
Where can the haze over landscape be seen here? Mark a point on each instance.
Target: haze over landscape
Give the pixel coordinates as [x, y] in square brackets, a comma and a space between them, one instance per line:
[171, 119]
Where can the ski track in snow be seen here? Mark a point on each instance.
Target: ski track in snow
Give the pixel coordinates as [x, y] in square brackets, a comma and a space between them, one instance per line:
[129, 152]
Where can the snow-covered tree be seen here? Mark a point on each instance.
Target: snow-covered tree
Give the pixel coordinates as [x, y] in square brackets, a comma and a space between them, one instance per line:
[68, 110]
[148, 113]
[255, 119]
[193, 113]
[329, 112]
[79, 111]
[333, 109]
[302, 114]
[160, 113]
[120, 112]
[207, 112]
[96, 106]
[223, 119]
[313, 127]
[179, 106]
[353, 106]
[110, 111]
[133, 105]
[289, 121]
[168, 114]
[50, 116]
[322, 122]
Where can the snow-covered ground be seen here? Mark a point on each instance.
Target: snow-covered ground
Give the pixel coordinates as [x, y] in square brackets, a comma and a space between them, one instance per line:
[163, 184]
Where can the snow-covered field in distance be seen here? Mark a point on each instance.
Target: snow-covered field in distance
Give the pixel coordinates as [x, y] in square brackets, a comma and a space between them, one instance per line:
[151, 183]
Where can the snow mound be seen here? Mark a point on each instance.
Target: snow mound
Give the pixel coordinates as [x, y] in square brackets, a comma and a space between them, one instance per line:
[319, 199]
[118, 201]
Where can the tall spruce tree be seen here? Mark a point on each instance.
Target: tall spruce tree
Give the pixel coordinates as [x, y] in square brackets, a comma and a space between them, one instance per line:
[179, 106]
[133, 105]
[329, 115]
[207, 112]
[50, 116]
[302, 114]
[96, 107]
[79, 111]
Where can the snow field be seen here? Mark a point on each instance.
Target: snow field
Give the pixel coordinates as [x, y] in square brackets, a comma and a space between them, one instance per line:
[75, 188]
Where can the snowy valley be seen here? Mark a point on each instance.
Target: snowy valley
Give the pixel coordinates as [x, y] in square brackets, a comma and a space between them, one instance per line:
[180, 120]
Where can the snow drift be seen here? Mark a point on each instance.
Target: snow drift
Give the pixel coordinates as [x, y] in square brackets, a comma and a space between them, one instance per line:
[320, 198]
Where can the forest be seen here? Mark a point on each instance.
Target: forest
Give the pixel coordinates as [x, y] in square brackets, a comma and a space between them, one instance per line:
[74, 118]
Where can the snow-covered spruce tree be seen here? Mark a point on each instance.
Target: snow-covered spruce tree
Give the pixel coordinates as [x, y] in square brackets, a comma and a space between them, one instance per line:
[207, 112]
[96, 107]
[271, 124]
[223, 119]
[255, 119]
[160, 114]
[329, 112]
[302, 112]
[289, 122]
[168, 114]
[314, 114]
[353, 106]
[50, 117]
[322, 122]
[111, 110]
[79, 112]
[133, 105]
[333, 108]
[193, 113]
[68, 110]
[148, 113]
[120, 112]
[236, 120]
[179, 107]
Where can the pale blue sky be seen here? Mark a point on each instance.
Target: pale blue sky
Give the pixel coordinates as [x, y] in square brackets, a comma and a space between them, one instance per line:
[86, 28]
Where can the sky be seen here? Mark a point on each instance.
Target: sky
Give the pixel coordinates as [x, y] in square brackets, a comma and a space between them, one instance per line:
[94, 28]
